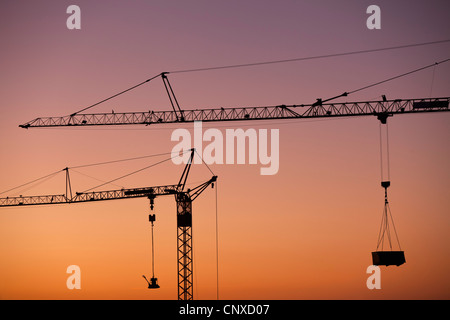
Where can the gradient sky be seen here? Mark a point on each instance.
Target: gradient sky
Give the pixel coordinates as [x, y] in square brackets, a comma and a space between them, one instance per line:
[305, 233]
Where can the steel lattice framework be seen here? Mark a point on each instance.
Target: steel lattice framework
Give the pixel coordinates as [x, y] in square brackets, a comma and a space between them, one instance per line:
[184, 214]
[185, 247]
[89, 196]
[316, 110]
[381, 109]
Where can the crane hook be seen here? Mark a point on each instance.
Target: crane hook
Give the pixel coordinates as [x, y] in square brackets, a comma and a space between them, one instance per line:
[153, 283]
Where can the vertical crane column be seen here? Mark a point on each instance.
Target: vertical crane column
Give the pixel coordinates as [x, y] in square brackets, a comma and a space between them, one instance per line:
[184, 244]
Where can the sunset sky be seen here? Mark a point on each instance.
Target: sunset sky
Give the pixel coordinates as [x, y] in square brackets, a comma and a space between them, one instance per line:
[306, 232]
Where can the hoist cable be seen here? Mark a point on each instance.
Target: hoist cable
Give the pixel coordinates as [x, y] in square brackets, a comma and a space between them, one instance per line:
[387, 162]
[217, 242]
[153, 255]
[381, 151]
[385, 231]
[387, 152]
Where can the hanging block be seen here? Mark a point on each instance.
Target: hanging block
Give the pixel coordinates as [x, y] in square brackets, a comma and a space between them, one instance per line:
[388, 258]
[153, 284]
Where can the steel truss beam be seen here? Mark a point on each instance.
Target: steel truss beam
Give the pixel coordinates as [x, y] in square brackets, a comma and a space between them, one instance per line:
[185, 247]
[89, 196]
[316, 110]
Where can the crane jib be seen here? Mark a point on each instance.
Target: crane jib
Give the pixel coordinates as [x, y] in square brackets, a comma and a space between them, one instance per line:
[316, 110]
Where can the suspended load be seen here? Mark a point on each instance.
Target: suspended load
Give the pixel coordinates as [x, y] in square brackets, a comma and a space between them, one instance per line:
[382, 257]
[153, 283]
[391, 257]
[388, 258]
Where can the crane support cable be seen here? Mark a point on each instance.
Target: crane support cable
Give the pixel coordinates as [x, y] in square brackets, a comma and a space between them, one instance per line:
[162, 74]
[129, 174]
[345, 94]
[121, 160]
[201, 158]
[88, 165]
[146, 167]
[49, 176]
[116, 95]
[317, 109]
[399, 76]
[36, 180]
[94, 178]
[333, 55]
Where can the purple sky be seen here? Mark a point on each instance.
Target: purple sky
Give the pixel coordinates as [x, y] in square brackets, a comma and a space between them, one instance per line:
[326, 196]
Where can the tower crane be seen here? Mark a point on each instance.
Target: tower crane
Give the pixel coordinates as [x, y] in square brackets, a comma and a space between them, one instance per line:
[322, 108]
[382, 109]
[183, 197]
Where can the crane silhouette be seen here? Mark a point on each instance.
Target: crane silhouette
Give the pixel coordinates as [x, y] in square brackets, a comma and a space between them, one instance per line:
[183, 197]
[322, 108]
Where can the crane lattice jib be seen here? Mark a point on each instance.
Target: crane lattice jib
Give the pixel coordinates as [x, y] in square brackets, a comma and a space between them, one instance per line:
[315, 110]
[89, 196]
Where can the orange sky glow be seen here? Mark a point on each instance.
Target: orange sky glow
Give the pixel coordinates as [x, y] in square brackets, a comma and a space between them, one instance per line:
[306, 232]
